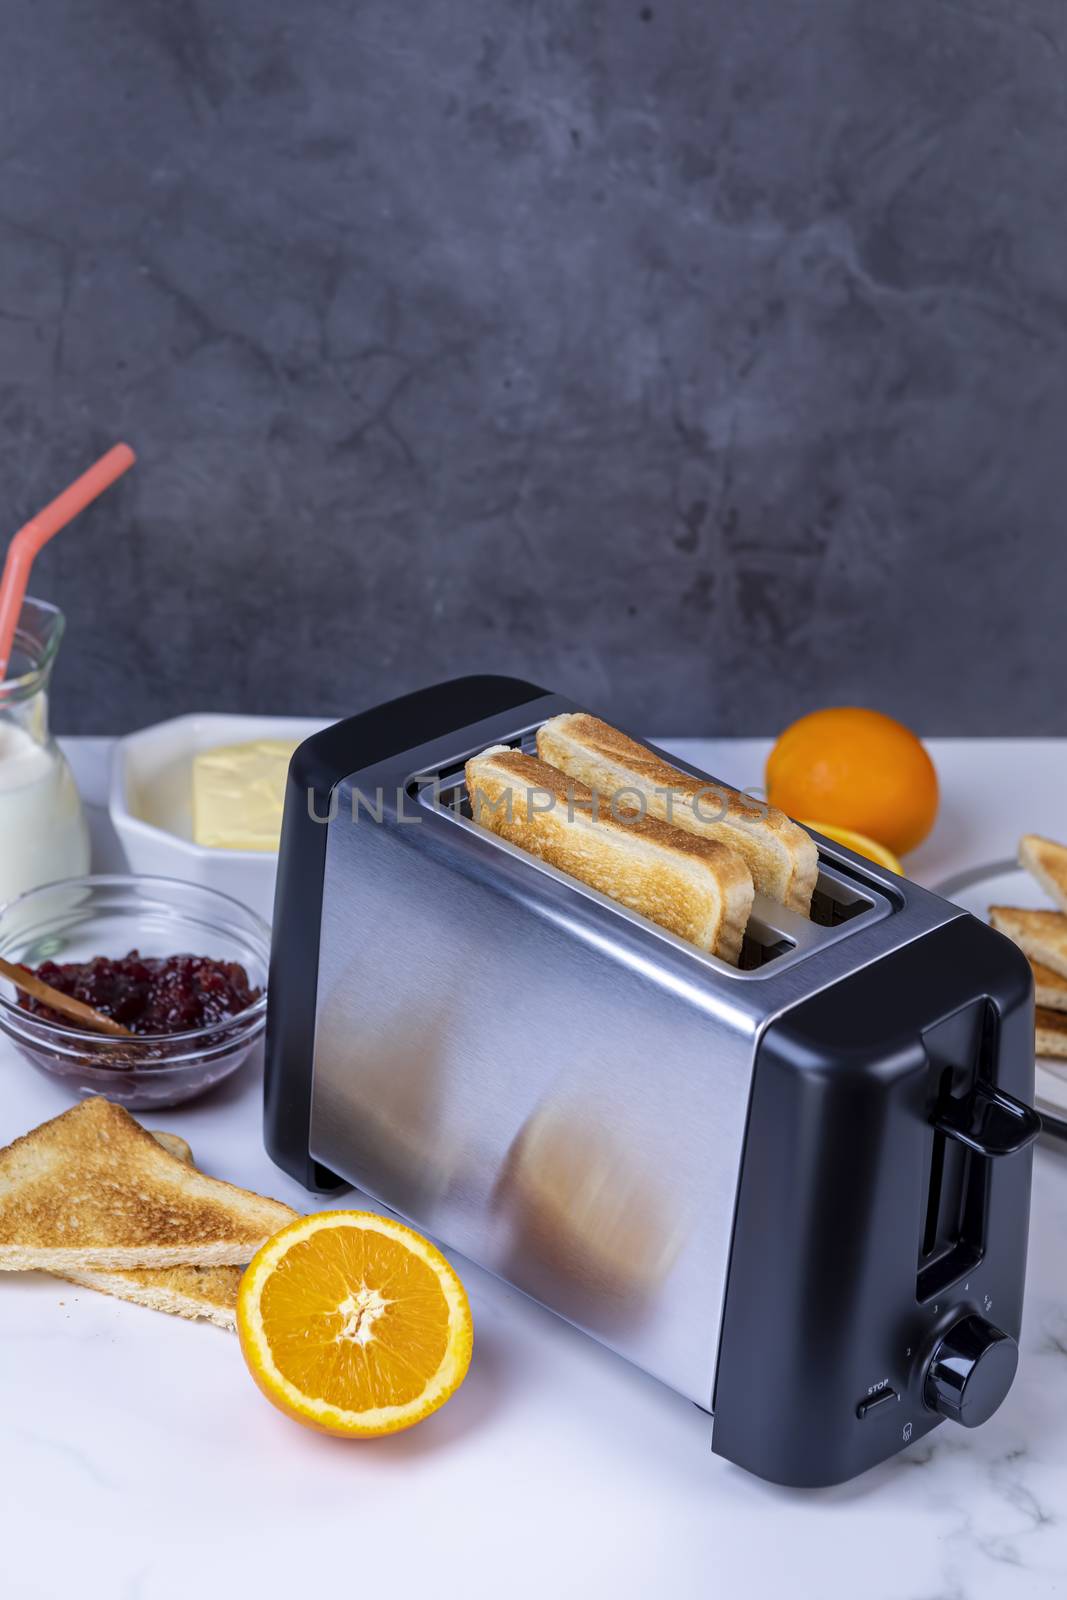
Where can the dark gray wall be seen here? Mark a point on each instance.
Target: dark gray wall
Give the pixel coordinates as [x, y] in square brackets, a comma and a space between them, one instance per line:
[703, 359]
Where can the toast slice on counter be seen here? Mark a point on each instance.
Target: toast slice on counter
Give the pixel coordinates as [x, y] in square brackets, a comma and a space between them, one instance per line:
[92, 1190]
[195, 1292]
[1050, 989]
[209, 1293]
[1041, 935]
[781, 856]
[1046, 861]
[1050, 1032]
[698, 888]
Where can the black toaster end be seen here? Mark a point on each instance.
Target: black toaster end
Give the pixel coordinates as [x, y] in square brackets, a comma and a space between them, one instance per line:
[876, 1274]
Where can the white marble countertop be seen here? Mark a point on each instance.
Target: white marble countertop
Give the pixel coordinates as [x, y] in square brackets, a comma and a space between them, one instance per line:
[137, 1460]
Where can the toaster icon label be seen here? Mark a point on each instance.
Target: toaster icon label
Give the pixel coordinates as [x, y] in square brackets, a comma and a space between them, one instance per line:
[906, 1433]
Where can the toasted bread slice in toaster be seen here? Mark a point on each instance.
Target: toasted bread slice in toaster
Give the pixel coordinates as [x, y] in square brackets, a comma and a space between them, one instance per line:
[1046, 861]
[1050, 1032]
[698, 888]
[1050, 989]
[781, 856]
[1041, 935]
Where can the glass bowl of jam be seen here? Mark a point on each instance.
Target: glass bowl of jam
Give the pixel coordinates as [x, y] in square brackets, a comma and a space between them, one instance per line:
[182, 967]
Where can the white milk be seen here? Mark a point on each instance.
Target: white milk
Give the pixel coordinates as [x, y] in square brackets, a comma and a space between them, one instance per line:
[42, 829]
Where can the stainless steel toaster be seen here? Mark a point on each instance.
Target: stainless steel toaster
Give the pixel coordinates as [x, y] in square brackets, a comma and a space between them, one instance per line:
[796, 1190]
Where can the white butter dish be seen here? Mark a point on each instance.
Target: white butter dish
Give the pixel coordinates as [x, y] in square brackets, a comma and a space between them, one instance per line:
[151, 803]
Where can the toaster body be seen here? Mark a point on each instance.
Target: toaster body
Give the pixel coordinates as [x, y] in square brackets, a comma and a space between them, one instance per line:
[794, 1190]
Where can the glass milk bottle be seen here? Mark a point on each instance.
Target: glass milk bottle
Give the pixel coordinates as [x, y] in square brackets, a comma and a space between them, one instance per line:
[42, 829]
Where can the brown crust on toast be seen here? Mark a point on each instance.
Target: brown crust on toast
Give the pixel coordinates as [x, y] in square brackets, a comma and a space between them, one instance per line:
[781, 856]
[1041, 935]
[1050, 1032]
[1050, 989]
[207, 1293]
[696, 887]
[1046, 862]
[92, 1189]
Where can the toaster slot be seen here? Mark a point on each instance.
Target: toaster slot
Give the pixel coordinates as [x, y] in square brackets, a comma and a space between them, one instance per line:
[844, 900]
[448, 791]
[955, 1219]
[953, 1231]
[453, 796]
[955, 1209]
[837, 900]
[761, 945]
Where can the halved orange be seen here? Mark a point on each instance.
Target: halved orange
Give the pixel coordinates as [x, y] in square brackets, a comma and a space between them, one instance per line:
[354, 1324]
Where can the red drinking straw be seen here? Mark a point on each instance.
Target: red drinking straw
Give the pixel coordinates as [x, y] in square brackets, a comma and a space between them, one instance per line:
[44, 526]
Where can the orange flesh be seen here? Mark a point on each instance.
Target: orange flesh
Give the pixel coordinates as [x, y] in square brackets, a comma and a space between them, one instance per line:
[355, 1319]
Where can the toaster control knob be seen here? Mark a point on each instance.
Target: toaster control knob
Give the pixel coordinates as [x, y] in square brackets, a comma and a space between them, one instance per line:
[971, 1371]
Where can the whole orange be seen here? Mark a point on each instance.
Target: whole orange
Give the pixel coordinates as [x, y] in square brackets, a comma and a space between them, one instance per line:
[858, 769]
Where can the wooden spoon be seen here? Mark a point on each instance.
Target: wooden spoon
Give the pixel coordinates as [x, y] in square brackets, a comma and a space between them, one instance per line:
[56, 1000]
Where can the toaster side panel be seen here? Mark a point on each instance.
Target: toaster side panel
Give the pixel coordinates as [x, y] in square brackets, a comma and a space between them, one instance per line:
[864, 1235]
[519, 1078]
[318, 767]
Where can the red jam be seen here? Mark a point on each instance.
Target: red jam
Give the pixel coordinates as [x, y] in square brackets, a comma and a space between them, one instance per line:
[150, 994]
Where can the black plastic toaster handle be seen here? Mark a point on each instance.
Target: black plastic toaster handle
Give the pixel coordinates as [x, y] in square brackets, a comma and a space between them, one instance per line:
[989, 1121]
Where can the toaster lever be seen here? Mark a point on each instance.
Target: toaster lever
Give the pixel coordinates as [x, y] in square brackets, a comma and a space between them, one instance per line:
[989, 1121]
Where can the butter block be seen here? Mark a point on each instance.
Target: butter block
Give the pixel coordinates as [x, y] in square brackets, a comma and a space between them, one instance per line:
[239, 794]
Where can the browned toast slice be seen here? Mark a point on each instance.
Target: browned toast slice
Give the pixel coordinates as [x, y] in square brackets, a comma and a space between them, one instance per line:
[195, 1292]
[1041, 935]
[1046, 861]
[781, 856]
[1050, 1032]
[1050, 989]
[696, 887]
[93, 1190]
[209, 1293]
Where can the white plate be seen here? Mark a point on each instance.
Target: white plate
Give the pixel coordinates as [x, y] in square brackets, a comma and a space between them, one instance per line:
[151, 804]
[1005, 883]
